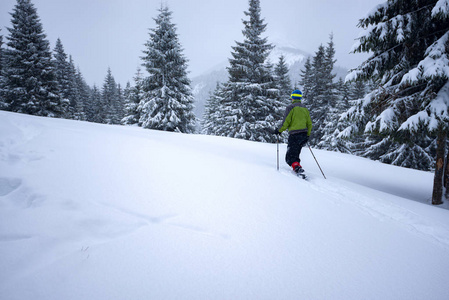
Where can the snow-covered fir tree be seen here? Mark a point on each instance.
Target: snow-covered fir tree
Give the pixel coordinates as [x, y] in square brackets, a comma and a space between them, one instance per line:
[127, 106]
[133, 96]
[446, 173]
[349, 93]
[2, 101]
[212, 119]
[282, 79]
[111, 100]
[94, 106]
[333, 123]
[73, 93]
[358, 89]
[119, 105]
[30, 84]
[321, 96]
[284, 85]
[306, 79]
[409, 65]
[167, 102]
[82, 91]
[251, 105]
[1, 51]
[64, 77]
[410, 44]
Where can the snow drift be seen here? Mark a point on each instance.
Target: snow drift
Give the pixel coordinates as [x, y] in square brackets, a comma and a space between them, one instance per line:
[92, 211]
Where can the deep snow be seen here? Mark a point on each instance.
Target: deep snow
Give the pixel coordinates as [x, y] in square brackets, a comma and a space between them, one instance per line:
[91, 211]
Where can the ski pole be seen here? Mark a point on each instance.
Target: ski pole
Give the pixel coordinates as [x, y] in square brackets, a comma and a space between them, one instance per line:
[316, 161]
[277, 144]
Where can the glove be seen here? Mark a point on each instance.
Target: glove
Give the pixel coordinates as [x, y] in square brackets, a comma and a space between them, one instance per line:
[276, 131]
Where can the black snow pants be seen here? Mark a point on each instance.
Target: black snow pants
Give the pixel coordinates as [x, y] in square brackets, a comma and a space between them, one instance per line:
[294, 146]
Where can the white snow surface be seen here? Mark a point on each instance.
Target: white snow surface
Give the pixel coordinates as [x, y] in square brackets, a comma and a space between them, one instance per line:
[91, 211]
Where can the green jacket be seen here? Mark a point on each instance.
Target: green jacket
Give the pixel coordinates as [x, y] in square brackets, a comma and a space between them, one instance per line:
[297, 119]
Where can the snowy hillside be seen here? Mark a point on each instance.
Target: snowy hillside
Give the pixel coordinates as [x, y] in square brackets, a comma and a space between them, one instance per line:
[92, 211]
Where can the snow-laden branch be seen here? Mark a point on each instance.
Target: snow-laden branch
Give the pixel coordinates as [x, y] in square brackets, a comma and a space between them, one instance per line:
[435, 113]
[441, 8]
[435, 63]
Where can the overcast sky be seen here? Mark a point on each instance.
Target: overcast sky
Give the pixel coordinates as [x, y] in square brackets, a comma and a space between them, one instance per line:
[111, 33]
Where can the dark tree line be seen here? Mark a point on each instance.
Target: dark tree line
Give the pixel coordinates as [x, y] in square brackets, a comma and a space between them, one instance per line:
[37, 81]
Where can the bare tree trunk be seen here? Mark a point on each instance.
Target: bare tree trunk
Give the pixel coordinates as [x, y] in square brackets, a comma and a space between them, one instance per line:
[437, 196]
[446, 175]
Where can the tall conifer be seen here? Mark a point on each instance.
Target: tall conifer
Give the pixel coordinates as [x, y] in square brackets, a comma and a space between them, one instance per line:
[283, 80]
[2, 101]
[30, 84]
[409, 41]
[64, 76]
[251, 104]
[82, 93]
[212, 120]
[320, 90]
[167, 102]
[133, 96]
[109, 97]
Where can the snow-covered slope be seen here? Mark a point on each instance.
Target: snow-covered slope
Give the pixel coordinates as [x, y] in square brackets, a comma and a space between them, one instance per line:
[92, 211]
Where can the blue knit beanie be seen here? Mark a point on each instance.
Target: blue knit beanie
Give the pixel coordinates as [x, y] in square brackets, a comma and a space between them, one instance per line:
[296, 94]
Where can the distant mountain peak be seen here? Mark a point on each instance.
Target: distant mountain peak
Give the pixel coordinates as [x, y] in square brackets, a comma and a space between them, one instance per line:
[291, 55]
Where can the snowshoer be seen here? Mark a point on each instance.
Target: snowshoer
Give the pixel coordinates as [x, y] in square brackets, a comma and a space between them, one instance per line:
[299, 125]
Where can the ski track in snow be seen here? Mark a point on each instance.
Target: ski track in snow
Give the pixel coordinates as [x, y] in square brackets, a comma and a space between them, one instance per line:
[339, 191]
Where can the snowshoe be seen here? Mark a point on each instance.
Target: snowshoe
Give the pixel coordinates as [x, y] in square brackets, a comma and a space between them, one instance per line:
[299, 171]
[297, 168]
[302, 175]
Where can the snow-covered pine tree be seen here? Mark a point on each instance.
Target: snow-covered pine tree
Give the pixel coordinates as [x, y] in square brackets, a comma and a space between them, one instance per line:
[83, 92]
[30, 84]
[329, 62]
[343, 89]
[356, 144]
[109, 95]
[409, 41]
[446, 173]
[333, 123]
[358, 89]
[321, 98]
[2, 101]
[250, 105]
[284, 86]
[306, 81]
[167, 102]
[1, 52]
[133, 96]
[94, 106]
[73, 92]
[119, 105]
[64, 77]
[282, 79]
[212, 119]
[128, 106]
